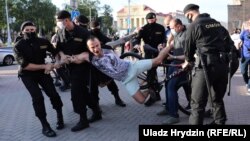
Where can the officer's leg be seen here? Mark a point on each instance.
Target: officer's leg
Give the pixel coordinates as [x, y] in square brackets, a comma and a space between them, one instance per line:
[218, 92]
[31, 83]
[198, 97]
[114, 90]
[78, 92]
[47, 84]
[65, 77]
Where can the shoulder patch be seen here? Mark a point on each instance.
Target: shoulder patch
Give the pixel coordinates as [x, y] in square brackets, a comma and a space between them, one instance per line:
[78, 39]
[43, 47]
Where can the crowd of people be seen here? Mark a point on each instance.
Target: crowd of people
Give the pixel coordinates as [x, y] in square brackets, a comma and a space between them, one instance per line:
[84, 62]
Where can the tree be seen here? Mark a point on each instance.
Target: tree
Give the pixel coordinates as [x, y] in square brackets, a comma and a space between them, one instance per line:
[41, 12]
[107, 19]
[86, 5]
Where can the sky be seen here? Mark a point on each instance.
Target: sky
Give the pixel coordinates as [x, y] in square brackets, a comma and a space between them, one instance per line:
[216, 8]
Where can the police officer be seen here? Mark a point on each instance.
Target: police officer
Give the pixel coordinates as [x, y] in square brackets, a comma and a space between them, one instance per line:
[211, 42]
[72, 41]
[152, 34]
[30, 52]
[113, 88]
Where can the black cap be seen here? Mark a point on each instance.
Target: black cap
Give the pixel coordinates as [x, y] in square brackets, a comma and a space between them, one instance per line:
[94, 24]
[26, 23]
[63, 14]
[151, 15]
[190, 7]
[82, 19]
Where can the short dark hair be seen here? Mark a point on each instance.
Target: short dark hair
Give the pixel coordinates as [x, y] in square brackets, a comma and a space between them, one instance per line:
[190, 7]
[91, 38]
[82, 19]
[63, 14]
[178, 21]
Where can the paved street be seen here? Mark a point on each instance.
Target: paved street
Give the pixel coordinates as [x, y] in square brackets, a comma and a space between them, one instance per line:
[18, 121]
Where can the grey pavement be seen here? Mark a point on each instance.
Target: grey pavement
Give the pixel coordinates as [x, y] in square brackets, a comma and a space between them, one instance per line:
[18, 121]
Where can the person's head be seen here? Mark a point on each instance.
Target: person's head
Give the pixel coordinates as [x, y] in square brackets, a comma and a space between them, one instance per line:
[95, 26]
[176, 26]
[81, 20]
[167, 20]
[191, 11]
[151, 18]
[63, 20]
[28, 30]
[94, 46]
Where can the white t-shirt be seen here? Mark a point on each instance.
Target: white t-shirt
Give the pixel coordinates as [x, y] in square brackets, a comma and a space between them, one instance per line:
[236, 38]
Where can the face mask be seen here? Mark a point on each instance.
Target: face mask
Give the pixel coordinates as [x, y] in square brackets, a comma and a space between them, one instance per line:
[60, 25]
[173, 32]
[30, 35]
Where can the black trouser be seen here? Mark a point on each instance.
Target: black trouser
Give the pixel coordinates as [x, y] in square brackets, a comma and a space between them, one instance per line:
[98, 77]
[152, 77]
[64, 74]
[31, 82]
[80, 95]
[217, 75]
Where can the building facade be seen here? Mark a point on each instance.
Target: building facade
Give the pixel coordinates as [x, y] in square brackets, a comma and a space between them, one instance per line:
[238, 13]
[137, 17]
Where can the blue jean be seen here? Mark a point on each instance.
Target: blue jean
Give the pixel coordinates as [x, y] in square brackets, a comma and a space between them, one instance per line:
[171, 88]
[244, 71]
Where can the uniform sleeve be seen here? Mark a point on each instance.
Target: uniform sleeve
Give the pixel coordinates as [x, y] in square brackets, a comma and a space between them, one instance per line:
[229, 43]
[51, 49]
[21, 60]
[139, 37]
[190, 44]
[106, 39]
[164, 39]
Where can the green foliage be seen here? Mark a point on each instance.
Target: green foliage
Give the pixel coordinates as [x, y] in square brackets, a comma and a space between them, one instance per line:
[41, 12]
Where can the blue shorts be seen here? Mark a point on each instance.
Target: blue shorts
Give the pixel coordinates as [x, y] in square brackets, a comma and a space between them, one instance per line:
[135, 68]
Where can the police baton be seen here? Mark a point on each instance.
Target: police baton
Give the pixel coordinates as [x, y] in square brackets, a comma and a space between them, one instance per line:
[229, 72]
[206, 76]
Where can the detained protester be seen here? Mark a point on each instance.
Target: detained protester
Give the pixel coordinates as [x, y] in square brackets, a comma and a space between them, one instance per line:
[110, 64]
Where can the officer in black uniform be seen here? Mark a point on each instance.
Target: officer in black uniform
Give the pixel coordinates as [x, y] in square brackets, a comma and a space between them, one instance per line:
[113, 88]
[30, 52]
[211, 42]
[72, 41]
[152, 34]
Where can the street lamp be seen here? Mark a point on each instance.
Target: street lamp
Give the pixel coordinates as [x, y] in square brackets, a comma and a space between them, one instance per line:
[128, 16]
[8, 26]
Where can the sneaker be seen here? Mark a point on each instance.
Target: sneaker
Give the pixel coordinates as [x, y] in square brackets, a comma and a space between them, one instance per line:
[150, 102]
[162, 113]
[171, 120]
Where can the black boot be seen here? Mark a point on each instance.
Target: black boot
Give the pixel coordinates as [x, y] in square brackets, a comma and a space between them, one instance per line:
[97, 115]
[47, 131]
[118, 100]
[82, 124]
[60, 122]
